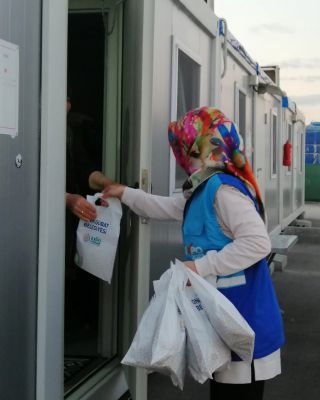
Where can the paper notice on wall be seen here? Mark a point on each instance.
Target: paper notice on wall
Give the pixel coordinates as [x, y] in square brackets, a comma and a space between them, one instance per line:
[9, 88]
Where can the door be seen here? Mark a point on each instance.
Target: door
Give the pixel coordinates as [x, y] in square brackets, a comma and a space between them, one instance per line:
[272, 149]
[93, 141]
[260, 131]
[118, 307]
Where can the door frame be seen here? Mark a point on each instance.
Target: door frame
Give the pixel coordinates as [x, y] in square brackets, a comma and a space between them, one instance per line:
[50, 338]
[50, 329]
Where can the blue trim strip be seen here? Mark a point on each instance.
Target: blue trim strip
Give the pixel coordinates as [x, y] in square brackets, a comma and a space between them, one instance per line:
[221, 28]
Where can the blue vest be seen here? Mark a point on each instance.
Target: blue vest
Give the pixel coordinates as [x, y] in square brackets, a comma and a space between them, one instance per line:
[250, 290]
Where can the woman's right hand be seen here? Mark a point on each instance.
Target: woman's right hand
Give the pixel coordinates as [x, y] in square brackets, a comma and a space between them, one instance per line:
[113, 190]
[98, 181]
[108, 188]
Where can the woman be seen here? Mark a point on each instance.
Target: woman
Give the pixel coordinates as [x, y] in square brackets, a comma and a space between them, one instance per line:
[224, 236]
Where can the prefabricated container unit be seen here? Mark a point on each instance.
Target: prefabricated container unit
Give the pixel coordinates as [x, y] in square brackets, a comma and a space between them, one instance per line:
[312, 162]
[266, 122]
[204, 65]
[183, 79]
[135, 64]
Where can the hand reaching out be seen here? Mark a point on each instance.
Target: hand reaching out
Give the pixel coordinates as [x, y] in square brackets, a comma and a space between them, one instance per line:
[98, 181]
[80, 207]
[113, 190]
[191, 265]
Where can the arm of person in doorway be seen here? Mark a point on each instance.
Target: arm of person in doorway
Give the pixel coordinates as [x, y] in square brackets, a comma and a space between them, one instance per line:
[80, 207]
[79, 165]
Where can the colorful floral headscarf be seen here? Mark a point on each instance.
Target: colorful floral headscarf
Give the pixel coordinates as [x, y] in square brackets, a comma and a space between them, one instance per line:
[204, 141]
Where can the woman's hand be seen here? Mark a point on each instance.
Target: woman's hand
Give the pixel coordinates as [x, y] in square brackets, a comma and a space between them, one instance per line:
[191, 265]
[113, 190]
[98, 181]
[80, 207]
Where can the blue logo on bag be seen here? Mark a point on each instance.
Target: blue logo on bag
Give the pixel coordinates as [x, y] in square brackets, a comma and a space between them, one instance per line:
[92, 239]
[95, 240]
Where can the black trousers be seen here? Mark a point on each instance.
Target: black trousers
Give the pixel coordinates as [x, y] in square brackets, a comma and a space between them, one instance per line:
[245, 391]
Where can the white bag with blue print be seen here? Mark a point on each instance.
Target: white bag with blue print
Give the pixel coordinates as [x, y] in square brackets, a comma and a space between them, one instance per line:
[226, 320]
[97, 240]
[168, 350]
[206, 352]
[140, 351]
[159, 343]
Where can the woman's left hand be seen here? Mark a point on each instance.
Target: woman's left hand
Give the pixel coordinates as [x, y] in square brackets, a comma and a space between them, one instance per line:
[191, 265]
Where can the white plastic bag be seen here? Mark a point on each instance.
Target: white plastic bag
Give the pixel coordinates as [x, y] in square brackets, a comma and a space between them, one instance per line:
[168, 351]
[159, 343]
[232, 328]
[97, 240]
[161, 285]
[206, 352]
[140, 351]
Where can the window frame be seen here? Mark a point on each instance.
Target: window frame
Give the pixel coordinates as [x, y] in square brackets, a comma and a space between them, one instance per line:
[302, 152]
[273, 113]
[237, 90]
[178, 45]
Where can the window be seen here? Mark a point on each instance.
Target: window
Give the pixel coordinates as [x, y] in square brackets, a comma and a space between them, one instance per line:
[301, 160]
[242, 113]
[185, 96]
[240, 110]
[188, 84]
[274, 144]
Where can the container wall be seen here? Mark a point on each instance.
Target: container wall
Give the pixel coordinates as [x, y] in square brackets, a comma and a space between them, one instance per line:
[20, 24]
[272, 131]
[183, 32]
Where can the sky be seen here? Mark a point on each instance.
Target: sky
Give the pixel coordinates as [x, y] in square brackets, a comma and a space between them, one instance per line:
[284, 33]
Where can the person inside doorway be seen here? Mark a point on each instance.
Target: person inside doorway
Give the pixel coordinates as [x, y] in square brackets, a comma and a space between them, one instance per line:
[79, 165]
[81, 319]
[223, 215]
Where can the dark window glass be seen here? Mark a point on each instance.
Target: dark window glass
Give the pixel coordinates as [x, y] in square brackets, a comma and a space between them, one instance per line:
[188, 95]
[242, 115]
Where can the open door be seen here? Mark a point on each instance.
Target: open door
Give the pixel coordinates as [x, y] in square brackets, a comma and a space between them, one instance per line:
[92, 306]
[112, 100]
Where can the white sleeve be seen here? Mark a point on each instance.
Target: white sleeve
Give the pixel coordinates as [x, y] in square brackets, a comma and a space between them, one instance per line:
[251, 241]
[152, 206]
